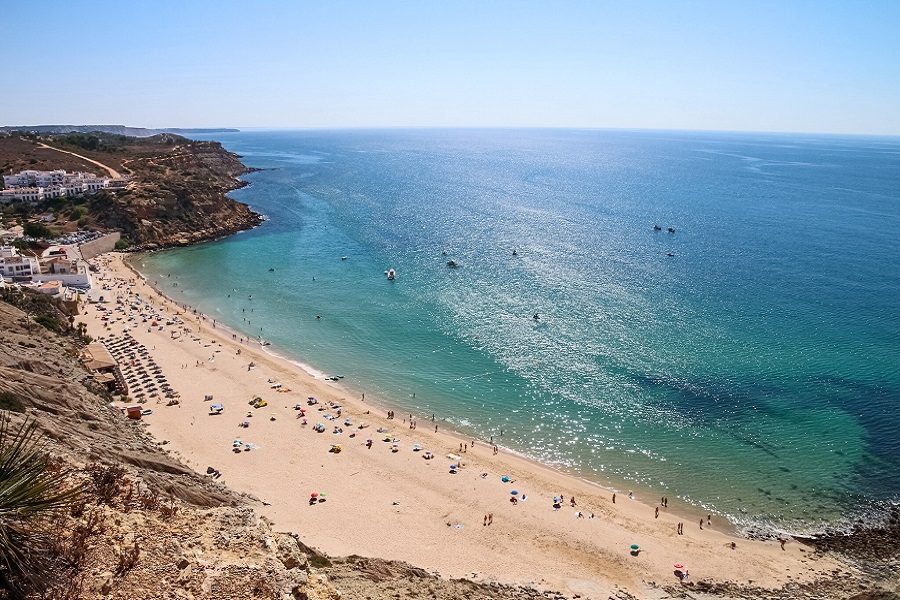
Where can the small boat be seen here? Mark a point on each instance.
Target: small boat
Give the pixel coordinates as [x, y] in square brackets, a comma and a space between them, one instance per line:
[657, 228]
[670, 254]
[671, 230]
[343, 258]
[391, 274]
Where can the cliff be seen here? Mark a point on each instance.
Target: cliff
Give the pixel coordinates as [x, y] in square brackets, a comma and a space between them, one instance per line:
[177, 193]
[178, 197]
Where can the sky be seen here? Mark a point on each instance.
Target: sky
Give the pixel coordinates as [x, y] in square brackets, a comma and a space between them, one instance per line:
[735, 65]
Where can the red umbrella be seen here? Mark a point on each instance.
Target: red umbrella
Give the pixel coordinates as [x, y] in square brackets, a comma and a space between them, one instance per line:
[679, 566]
[314, 495]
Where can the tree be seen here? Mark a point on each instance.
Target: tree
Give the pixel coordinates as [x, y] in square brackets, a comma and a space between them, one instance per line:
[36, 230]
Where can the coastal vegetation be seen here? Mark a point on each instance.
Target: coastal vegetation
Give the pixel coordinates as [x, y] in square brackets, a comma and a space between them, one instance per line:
[32, 492]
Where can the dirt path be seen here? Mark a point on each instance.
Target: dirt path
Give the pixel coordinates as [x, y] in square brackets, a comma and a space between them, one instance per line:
[110, 170]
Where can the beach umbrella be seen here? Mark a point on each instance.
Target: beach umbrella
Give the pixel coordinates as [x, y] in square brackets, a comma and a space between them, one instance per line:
[514, 492]
[452, 466]
[505, 479]
[679, 566]
[556, 499]
[314, 494]
[635, 547]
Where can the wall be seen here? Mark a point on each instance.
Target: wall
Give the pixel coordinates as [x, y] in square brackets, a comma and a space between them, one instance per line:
[104, 244]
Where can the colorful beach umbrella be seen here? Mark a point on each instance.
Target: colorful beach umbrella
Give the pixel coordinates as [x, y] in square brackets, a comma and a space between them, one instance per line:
[314, 494]
[679, 566]
[514, 492]
[635, 547]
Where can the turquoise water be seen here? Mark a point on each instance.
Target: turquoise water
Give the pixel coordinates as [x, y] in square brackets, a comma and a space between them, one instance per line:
[756, 372]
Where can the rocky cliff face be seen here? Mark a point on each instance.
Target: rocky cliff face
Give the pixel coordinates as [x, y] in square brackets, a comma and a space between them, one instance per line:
[178, 197]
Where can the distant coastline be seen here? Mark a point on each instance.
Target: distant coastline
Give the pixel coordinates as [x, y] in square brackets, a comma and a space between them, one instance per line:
[113, 129]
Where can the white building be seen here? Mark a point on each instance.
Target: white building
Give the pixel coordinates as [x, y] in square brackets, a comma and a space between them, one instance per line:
[16, 266]
[35, 186]
[63, 263]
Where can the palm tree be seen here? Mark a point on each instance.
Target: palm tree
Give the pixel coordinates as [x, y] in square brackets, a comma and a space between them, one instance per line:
[30, 494]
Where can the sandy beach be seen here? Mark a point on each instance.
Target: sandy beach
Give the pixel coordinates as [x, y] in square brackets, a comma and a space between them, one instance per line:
[396, 504]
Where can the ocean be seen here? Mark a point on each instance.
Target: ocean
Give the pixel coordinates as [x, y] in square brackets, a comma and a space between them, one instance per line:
[748, 363]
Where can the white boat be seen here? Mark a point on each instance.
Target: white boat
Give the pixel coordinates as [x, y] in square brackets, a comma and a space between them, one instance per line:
[391, 274]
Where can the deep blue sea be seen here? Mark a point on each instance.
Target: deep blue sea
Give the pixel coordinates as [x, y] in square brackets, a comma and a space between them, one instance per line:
[755, 372]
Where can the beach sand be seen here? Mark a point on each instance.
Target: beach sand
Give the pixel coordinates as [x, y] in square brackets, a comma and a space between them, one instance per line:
[397, 505]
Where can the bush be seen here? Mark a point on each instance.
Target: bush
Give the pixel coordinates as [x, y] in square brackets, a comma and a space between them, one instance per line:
[108, 482]
[36, 230]
[33, 492]
[11, 403]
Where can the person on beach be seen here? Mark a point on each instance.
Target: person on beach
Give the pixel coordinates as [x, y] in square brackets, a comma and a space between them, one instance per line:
[614, 497]
[490, 518]
[435, 428]
[709, 520]
[701, 523]
[656, 516]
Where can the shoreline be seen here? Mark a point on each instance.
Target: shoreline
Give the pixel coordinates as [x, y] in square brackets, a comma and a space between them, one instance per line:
[438, 514]
[751, 529]
[679, 507]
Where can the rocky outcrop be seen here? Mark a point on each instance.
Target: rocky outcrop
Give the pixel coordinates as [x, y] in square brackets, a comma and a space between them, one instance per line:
[178, 198]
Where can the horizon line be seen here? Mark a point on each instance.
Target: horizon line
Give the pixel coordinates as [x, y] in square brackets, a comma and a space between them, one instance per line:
[471, 127]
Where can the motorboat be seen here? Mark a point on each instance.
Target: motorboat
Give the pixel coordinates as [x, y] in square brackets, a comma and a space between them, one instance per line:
[391, 274]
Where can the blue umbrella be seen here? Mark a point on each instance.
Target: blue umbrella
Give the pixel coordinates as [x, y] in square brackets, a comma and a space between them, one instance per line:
[514, 492]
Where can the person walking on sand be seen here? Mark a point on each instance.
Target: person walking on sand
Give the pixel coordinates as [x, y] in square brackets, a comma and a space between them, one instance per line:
[709, 520]
[614, 497]
[701, 523]
[656, 516]
[490, 518]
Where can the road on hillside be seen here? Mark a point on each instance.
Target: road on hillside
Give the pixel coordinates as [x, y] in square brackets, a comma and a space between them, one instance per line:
[110, 170]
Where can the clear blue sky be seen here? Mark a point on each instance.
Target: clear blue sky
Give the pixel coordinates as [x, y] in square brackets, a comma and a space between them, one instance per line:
[787, 65]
